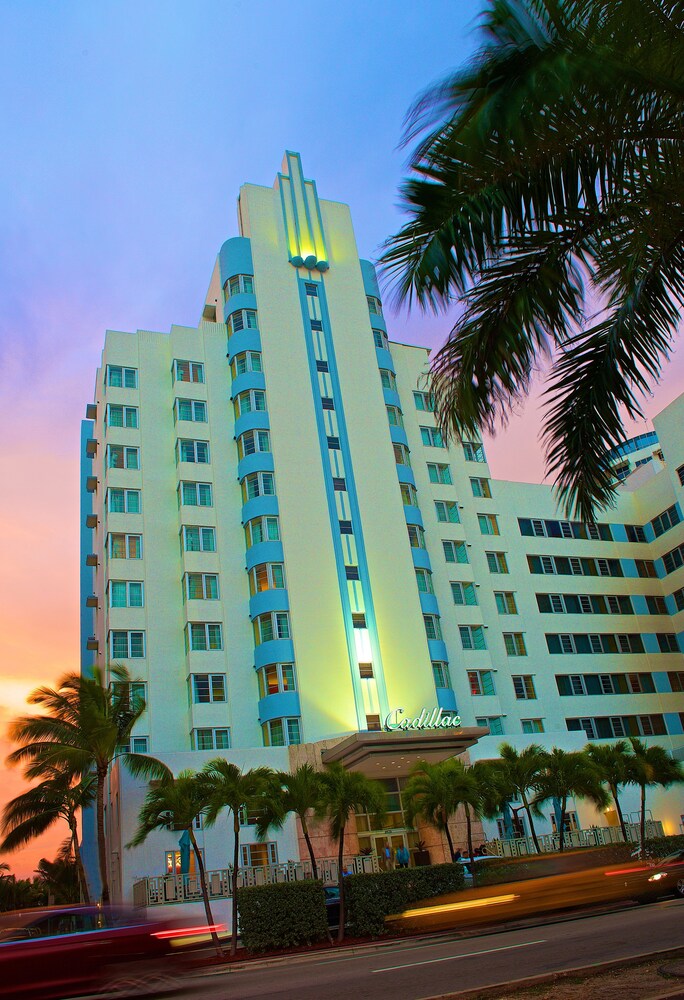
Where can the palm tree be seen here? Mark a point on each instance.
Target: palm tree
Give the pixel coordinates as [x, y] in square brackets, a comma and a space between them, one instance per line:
[435, 792]
[82, 731]
[298, 792]
[520, 771]
[60, 878]
[546, 190]
[611, 760]
[648, 766]
[179, 800]
[344, 793]
[30, 814]
[231, 789]
[566, 775]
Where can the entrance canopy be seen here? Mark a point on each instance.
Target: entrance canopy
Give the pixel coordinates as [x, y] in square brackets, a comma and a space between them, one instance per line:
[392, 755]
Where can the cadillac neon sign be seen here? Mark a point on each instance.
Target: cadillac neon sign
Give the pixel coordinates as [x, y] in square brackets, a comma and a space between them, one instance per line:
[435, 718]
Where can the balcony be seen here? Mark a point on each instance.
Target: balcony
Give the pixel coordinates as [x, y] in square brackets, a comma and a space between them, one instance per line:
[91, 559]
[92, 644]
[91, 411]
[91, 447]
[91, 484]
[91, 521]
[91, 601]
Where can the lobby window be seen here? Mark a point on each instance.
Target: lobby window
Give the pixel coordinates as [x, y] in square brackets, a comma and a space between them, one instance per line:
[211, 739]
[242, 319]
[497, 562]
[239, 284]
[126, 594]
[120, 457]
[472, 637]
[246, 361]
[258, 484]
[416, 536]
[194, 410]
[424, 581]
[266, 576]
[249, 401]
[204, 636]
[455, 552]
[188, 450]
[122, 378]
[380, 339]
[433, 628]
[473, 451]
[481, 682]
[505, 602]
[432, 437]
[463, 593]
[440, 672]
[401, 455]
[195, 494]
[395, 416]
[388, 379]
[275, 625]
[123, 501]
[124, 546]
[424, 401]
[281, 733]
[201, 587]
[126, 645]
[530, 726]
[196, 539]
[188, 371]
[489, 524]
[252, 442]
[447, 511]
[523, 685]
[122, 416]
[262, 529]
[514, 643]
[494, 723]
[374, 305]
[276, 678]
[438, 473]
[207, 688]
[481, 488]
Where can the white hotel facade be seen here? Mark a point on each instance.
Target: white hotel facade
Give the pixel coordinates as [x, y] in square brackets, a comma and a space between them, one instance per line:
[279, 546]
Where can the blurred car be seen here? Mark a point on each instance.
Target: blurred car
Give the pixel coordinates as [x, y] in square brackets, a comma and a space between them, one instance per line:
[66, 951]
[657, 878]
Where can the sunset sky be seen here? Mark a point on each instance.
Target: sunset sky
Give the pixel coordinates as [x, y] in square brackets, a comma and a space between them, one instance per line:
[127, 129]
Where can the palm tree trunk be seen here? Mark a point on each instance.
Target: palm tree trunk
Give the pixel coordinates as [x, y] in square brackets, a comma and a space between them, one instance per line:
[642, 821]
[340, 855]
[205, 893]
[236, 863]
[101, 841]
[307, 838]
[469, 835]
[79, 860]
[618, 809]
[562, 824]
[533, 832]
[449, 840]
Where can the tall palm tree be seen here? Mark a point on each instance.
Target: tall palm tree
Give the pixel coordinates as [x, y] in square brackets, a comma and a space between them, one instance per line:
[520, 772]
[85, 724]
[435, 792]
[231, 789]
[179, 800]
[648, 766]
[547, 191]
[298, 792]
[611, 760]
[344, 793]
[60, 878]
[59, 796]
[568, 775]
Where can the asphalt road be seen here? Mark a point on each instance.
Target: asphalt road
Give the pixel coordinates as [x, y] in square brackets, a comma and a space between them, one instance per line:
[417, 970]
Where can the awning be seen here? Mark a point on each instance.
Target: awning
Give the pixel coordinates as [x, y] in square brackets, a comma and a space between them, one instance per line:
[391, 755]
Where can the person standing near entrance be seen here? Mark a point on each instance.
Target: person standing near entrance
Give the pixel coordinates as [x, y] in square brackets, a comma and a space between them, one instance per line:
[403, 857]
[388, 857]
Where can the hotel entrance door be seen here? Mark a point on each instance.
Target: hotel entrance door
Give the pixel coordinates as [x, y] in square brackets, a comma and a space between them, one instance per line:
[391, 841]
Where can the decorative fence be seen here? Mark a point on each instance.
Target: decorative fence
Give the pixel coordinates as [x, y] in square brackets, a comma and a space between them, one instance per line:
[158, 890]
[595, 836]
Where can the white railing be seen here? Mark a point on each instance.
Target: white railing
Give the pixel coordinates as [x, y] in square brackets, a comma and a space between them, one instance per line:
[595, 836]
[156, 890]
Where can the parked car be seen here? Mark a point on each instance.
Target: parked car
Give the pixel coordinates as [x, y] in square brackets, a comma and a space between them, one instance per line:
[332, 905]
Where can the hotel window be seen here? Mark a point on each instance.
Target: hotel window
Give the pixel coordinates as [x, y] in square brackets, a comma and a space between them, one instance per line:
[401, 455]
[322, 366]
[120, 457]
[122, 416]
[455, 552]
[374, 305]
[204, 636]
[191, 409]
[126, 594]
[211, 739]
[395, 416]
[440, 672]
[139, 744]
[668, 519]
[259, 855]
[366, 671]
[252, 442]
[358, 619]
[333, 442]
[352, 572]
[126, 645]
[433, 628]
[439, 473]
[674, 559]
[667, 642]
[346, 528]
[196, 539]
[497, 562]
[125, 546]
[432, 437]
[380, 339]
[463, 593]
[201, 587]
[680, 474]
[481, 682]
[472, 637]
[676, 679]
[249, 401]
[339, 484]
[492, 722]
[275, 625]
[262, 529]
[207, 688]
[424, 401]
[373, 724]
[316, 324]
[388, 379]
[239, 284]
[123, 501]
[678, 598]
[489, 524]
[258, 484]
[266, 576]
[242, 319]
[505, 602]
[514, 643]
[281, 733]
[424, 581]
[188, 371]
[192, 451]
[416, 536]
[246, 361]
[656, 605]
[134, 691]
[530, 726]
[635, 533]
[195, 494]
[328, 403]
[447, 511]
[481, 488]
[473, 451]
[276, 678]
[122, 378]
[523, 685]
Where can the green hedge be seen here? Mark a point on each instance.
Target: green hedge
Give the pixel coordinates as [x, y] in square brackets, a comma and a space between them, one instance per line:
[659, 847]
[371, 898]
[282, 915]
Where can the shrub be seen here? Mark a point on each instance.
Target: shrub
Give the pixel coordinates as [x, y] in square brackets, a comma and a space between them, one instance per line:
[371, 898]
[659, 847]
[282, 915]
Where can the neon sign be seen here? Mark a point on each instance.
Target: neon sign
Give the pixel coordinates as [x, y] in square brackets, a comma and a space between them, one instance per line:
[436, 718]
